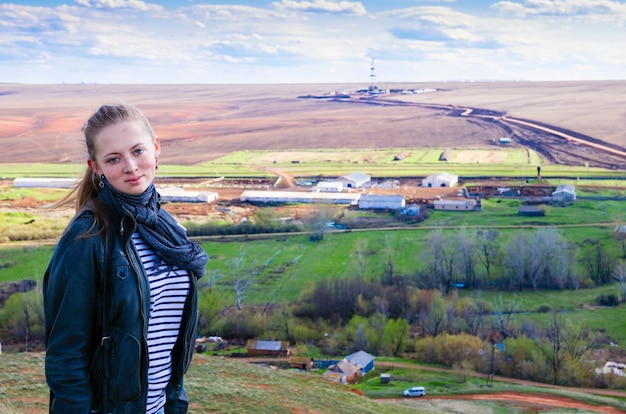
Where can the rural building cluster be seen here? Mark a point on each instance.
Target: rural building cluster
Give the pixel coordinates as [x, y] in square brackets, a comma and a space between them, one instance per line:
[345, 371]
[360, 191]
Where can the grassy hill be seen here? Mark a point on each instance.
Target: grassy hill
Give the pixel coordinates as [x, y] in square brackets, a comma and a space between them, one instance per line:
[221, 385]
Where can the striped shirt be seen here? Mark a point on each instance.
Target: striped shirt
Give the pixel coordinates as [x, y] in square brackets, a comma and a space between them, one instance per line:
[168, 291]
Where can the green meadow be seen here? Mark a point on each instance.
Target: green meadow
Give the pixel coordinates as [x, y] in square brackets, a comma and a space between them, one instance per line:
[401, 162]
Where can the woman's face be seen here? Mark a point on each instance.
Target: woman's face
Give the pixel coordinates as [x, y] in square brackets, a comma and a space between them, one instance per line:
[126, 154]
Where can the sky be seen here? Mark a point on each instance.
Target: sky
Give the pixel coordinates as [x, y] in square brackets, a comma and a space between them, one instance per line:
[310, 41]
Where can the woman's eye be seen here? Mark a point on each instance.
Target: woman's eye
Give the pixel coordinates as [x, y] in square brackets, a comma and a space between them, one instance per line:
[139, 151]
[112, 160]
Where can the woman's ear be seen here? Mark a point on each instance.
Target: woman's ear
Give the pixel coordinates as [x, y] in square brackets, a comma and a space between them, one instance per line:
[157, 147]
[94, 167]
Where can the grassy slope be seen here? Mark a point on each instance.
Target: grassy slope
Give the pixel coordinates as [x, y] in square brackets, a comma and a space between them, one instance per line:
[214, 385]
[220, 385]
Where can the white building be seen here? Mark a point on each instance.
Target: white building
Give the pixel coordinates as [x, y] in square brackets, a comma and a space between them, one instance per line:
[45, 182]
[180, 195]
[355, 180]
[382, 202]
[564, 192]
[455, 205]
[252, 196]
[329, 186]
[443, 179]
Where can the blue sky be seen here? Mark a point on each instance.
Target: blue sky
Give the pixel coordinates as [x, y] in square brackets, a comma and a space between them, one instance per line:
[310, 41]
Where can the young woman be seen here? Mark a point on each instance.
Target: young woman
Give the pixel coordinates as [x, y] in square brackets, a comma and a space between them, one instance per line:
[120, 292]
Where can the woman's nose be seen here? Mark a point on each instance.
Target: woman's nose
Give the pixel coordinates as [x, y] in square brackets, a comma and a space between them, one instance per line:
[130, 166]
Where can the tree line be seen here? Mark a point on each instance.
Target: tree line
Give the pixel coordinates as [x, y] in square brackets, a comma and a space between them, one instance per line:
[418, 315]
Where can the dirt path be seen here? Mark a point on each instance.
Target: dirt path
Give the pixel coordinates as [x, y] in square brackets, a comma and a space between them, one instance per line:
[532, 402]
[525, 400]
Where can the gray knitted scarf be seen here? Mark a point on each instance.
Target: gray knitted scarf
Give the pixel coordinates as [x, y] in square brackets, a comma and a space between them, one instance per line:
[167, 239]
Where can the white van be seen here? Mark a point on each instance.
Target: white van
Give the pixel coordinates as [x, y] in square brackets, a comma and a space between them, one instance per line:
[414, 392]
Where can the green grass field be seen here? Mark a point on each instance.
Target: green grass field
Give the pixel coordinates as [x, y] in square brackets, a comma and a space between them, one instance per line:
[508, 162]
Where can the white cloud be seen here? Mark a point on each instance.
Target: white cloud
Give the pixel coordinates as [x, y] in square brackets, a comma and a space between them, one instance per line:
[321, 6]
[120, 4]
[310, 41]
[573, 8]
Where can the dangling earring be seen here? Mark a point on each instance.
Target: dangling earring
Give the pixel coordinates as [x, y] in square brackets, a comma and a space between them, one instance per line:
[101, 183]
[156, 163]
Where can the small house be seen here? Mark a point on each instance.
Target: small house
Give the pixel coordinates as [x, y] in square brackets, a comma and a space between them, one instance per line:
[620, 232]
[363, 360]
[267, 348]
[564, 193]
[342, 372]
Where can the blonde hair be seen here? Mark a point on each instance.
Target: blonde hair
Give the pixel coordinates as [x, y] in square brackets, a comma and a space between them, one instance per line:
[87, 189]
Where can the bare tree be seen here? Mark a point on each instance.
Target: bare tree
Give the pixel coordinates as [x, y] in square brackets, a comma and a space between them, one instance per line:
[359, 257]
[440, 255]
[598, 264]
[243, 274]
[619, 274]
[318, 221]
[487, 249]
[540, 259]
[437, 317]
[467, 248]
[516, 260]
[505, 315]
[563, 339]
[387, 278]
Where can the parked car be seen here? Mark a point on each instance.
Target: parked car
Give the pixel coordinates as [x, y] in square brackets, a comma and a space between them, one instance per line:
[414, 392]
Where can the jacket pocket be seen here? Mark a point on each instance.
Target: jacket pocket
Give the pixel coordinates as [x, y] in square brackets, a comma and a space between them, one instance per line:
[123, 270]
[125, 381]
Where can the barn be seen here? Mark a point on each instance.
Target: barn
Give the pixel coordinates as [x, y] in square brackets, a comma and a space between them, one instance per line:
[382, 202]
[443, 179]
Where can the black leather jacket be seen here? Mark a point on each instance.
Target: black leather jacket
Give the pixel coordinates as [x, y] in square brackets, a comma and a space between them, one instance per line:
[73, 298]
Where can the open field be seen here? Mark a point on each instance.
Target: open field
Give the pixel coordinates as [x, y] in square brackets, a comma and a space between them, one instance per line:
[199, 123]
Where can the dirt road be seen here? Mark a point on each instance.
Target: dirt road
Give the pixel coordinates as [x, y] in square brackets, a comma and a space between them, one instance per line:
[533, 402]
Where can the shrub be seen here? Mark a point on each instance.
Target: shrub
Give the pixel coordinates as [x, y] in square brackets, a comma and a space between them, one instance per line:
[610, 299]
